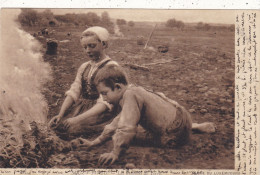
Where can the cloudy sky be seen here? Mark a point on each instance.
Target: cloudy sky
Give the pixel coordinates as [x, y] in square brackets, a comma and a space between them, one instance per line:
[209, 16]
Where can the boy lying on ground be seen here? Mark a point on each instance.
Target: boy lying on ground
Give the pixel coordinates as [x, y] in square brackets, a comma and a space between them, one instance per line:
[167, 121]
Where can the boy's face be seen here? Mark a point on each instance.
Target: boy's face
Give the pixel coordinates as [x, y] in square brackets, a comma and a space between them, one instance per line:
[92, 46]
[109, 95]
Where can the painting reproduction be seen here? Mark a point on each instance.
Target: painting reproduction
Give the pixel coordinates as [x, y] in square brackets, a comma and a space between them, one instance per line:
[117, 88]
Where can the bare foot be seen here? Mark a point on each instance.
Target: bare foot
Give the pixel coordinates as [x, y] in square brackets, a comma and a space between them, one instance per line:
[206, 127]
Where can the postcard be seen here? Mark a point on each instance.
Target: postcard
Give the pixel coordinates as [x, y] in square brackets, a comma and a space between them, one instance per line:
[129, 91]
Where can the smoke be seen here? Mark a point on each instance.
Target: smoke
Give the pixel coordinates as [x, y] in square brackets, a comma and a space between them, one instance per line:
[118, 33]
[22, 73]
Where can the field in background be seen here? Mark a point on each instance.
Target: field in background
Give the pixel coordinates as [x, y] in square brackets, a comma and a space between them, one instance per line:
[197, 71]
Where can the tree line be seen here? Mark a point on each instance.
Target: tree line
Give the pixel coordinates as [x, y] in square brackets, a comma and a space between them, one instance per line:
[30, 17]
[173, 23]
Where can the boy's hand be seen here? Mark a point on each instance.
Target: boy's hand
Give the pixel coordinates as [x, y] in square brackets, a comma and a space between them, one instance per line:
[70, 122]
[80, 142]
[106, 157]
[54, 121]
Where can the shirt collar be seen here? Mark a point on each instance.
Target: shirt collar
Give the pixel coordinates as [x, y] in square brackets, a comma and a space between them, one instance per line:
[99, 63]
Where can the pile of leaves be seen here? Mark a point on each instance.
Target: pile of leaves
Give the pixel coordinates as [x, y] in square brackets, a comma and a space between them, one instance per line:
[38, 144]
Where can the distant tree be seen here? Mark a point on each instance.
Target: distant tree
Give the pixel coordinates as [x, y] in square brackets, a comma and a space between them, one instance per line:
[70, 16]
[199, 25]
[46, 17]
[89, 19]
[106, 22]
[175, 23]
[105, 19]
[47, 14]
[203, 26]
[121, 22]
[180, 25]
[28, 17]
[131, 23]
[206, 27]
[171, 23]
[93, 19]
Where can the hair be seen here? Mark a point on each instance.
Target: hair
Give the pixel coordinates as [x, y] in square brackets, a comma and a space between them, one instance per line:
[110, 75]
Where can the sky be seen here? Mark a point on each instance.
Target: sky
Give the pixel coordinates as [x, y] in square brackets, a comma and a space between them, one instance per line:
[207, 16]
[130, 9]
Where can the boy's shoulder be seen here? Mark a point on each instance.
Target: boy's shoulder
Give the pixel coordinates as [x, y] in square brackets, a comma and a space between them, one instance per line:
[135, 87]
[83, 65]
[133, 94]
[133, 90]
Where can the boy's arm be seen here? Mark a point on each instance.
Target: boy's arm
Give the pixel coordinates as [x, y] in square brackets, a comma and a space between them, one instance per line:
[108, 131]
[65, 105]
[105, 135]
[96, 110]
[71, 95]
[126, 129]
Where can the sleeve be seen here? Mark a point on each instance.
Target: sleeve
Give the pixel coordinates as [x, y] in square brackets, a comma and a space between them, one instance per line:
[127, 124]
[112, 62]
[75, 88]
[109, 129]
[101, 100]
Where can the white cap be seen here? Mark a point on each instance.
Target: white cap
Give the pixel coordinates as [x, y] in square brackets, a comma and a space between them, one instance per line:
[101, 32]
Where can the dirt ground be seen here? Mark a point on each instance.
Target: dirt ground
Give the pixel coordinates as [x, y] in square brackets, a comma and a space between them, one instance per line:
[197, 72]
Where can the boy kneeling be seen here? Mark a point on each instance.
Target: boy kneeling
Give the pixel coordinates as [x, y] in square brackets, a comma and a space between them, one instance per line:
[164, 118]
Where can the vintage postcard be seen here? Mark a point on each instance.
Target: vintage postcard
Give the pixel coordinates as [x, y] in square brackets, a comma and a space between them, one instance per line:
[129, 91]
